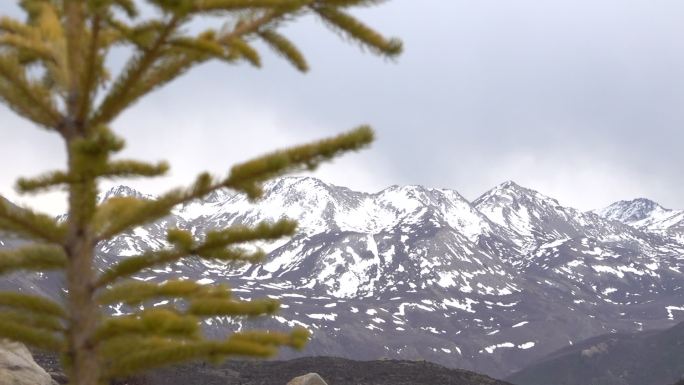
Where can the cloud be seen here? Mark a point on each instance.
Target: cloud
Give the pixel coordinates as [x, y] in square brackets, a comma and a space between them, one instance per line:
[580, 99]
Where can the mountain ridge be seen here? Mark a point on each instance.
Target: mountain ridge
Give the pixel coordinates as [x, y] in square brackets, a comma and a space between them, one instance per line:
[412, 272]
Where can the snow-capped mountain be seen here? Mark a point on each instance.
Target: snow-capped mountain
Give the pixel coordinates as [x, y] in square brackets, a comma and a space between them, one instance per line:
[123, 191]
[645, 214]
[420, 273]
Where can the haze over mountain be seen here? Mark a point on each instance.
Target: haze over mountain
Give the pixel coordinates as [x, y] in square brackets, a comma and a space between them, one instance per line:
[413, 272]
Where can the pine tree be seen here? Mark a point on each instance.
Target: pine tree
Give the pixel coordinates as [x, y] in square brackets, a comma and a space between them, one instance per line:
[53, 72]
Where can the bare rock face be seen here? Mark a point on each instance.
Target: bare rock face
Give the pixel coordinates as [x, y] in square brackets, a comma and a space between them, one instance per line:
[17, 366]
[308, 379]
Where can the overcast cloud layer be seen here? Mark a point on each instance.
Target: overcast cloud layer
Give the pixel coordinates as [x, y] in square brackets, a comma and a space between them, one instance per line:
[579, 99]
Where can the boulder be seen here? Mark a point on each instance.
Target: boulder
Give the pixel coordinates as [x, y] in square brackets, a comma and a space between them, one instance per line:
[59, 378]
[308, 379]
[17, 366]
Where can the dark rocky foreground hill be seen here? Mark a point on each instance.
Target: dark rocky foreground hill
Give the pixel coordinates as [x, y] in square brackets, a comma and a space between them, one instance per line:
[336, 371]
[645, 358]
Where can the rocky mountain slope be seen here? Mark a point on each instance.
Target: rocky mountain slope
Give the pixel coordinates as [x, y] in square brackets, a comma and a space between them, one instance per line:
[420, 273]
[642, 358]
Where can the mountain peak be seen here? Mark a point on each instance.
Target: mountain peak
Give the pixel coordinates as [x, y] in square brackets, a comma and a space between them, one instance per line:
[298, 183]
[406, 189]
[528, 215]
[509, 184]
[511, 187]
[509, 191]
[123, 191]
[628, 211]
[642, 202]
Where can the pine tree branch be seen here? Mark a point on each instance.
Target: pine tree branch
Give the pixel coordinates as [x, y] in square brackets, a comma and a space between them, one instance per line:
[128, 7]
[140, 35]
[27, 223]
[205, 6]
[285, 48]
[296, 339]
[239, 48]
[133, 168]
[34, 257]
[169, 65]
[27, 45]
[205, 44]
[136, 292]
[45, 322]
[45, 181]
[130, 85]
[27, 98]
[117, 99]
[89, 160]
[240, 234]
[32, 304]
[124, 93]
[29, 335]
[248, 176]
[115, 169]
[253, 25]
[356, 30]
[146, 211]
[132, 265]
[119, 346]
[10, 25]
[154, 322]
[153, 352]
[215, 247]
[232, 255]
[213, 307]
[177, 352]
[351, 3]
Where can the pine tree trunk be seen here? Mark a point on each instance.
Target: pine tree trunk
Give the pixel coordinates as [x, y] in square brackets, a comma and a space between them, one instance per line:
[82, 201]
[81, 355]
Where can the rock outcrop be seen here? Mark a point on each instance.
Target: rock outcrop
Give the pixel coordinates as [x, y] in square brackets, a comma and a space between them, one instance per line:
[308, 379]
[17, 366]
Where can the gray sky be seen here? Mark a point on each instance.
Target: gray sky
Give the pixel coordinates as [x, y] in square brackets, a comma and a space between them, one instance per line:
[579, 99]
